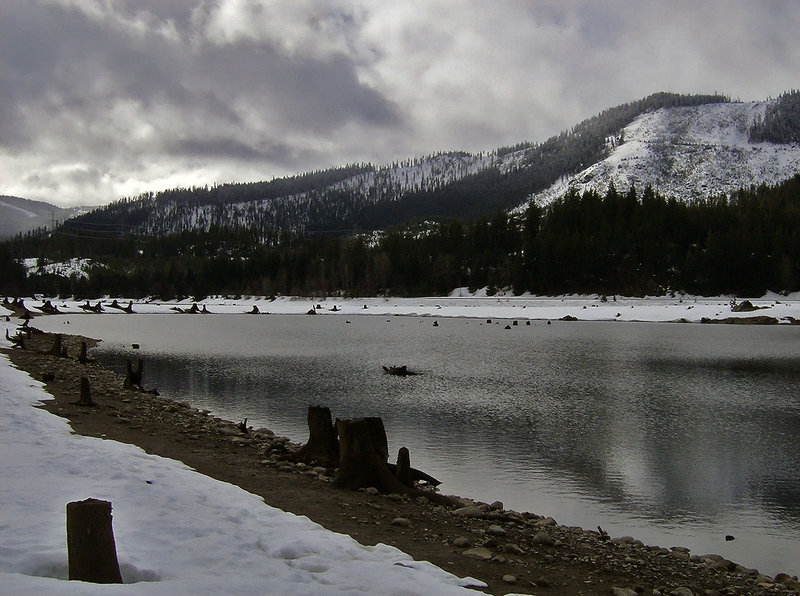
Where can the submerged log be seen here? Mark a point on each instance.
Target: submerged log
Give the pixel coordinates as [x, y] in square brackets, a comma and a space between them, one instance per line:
[399, 371]
[91, 550]
[323, 444]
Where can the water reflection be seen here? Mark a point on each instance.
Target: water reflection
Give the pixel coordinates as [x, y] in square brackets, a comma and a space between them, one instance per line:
[672, 431]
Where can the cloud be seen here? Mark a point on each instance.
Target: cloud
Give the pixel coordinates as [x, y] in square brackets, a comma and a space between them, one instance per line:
[147, 93]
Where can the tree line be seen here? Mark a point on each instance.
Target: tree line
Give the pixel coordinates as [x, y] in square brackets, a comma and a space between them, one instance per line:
[628, 242]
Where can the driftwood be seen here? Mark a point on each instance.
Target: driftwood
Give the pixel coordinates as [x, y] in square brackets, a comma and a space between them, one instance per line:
[17, 340]
[91, 550]
[97, 308]
[128, 309]
[399, 371]
[323, 445]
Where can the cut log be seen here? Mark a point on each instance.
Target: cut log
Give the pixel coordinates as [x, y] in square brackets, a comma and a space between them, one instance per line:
[323, 444]
[91, 550]
[133, 378]
[86, 394]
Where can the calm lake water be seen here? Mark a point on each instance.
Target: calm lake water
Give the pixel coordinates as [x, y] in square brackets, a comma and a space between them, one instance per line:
[676, 434]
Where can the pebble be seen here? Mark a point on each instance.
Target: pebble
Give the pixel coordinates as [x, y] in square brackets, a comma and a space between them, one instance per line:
[496, 530]
[462, 542]
[544, 539]
[509, 579]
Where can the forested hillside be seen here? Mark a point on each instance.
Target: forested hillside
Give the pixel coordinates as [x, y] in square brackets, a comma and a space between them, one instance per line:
[366, 197]
[631, 242]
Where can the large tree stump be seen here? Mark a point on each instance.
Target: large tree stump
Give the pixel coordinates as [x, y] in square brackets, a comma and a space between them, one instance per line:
[133, 379]
[91, 550]
[323, 443]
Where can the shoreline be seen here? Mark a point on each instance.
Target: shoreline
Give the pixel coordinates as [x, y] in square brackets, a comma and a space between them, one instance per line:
[510, 551]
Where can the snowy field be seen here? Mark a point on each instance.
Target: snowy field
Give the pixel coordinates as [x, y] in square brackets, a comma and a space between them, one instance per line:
[461, 303]
[177, 532]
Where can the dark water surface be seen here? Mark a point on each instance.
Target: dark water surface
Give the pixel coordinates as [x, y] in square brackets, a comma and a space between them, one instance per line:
[677, 434]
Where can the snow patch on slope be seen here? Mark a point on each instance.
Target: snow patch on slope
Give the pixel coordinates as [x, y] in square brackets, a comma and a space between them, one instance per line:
[688, 152]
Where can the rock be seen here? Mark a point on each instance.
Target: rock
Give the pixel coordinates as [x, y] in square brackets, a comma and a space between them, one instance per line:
[545, 522]
[496, 506]
[462, 542]
[682, 591]
[480, 553]
[403, 522]
[496, 530]
[476, 511]
[372, 491]
[544, 539]
[623, 591]
[513, 549]
[509, 579]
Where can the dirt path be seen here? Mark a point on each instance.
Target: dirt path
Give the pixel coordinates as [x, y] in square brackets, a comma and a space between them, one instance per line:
[510, 551]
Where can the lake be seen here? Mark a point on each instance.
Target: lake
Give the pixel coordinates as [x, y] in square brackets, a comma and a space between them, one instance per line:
[676, 434]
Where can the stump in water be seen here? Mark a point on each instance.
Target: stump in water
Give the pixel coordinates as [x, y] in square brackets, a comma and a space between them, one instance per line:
[323, 444]
[133, 379]
[86, 394]
[364, 452]
[91, 550]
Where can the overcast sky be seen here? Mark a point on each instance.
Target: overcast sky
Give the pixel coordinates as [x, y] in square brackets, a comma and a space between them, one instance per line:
[101, 99]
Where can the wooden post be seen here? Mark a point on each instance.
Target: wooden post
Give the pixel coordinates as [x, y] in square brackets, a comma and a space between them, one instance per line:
[91, 550]
[56, 349]
[323, 444]
[83, 358]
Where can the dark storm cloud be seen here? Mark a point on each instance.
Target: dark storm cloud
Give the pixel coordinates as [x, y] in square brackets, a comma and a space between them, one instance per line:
[104, 99]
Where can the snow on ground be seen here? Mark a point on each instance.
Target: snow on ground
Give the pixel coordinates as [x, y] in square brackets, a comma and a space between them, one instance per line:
[462, 303]
[177, 532]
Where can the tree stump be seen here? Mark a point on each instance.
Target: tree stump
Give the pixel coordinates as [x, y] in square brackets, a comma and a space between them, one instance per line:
[84, 358]
[323, 443]
[91, 550]
[403, 470]
[57, 350]
[133, 379]
[86, 394]
[364, 454]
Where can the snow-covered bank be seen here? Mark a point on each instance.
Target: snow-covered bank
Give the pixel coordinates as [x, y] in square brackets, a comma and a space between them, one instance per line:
[177, 532]
[461, 303]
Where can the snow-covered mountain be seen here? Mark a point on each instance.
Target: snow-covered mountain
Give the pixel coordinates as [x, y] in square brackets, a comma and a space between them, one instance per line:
[687, 152]
[20, 215]
[682, 146]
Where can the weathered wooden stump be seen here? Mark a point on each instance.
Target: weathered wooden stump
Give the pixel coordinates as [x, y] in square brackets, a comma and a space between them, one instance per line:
[133, 378]
[84, 358]
[91, 550]
[323, 444]
[86, 394]
[57, 350]
[403, 470]
[364, 454]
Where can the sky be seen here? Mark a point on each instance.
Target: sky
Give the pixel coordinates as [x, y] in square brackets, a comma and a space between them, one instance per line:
[104, 99]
